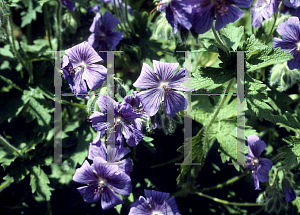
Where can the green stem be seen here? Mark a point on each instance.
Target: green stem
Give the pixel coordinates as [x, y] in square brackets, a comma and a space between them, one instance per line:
[226, 182]
[213, 119]
[219, 39]
[275, 19]
[58, 24]
[228, 203]
[117, 15]
[12, 41]
[126, 15]
[169, 162]
[46, 17]
[8, 145]
[5, 184]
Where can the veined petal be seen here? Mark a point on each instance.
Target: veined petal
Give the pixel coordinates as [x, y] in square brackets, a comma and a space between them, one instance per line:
[103, 170]
[147, 78]
[95, 75]
[140, 207]
[164, 70]
[178, 79]
[263, 169]
[172, 203]
[109, 22]
[156, 198]
[284, 44]
[290, 30]
[125, 166]
[203, 18]
[120, 183]
[227, 14]
[85, 174]
[93, 40]
[255, 146]
[114, 38]
[255, 180]
[95, 27]
[120, 153]
[79, 84]
[294, 63]
[109, 199]
[97, 151]
[182, 13]
[88, 193]
[174, 102]
[150, 100]
[98, 121]
[242, 4]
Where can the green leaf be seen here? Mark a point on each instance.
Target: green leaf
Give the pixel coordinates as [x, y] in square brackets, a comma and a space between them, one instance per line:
[232, 36]
[260, 55]
[39, 183]
[118, 208]
[256, 99]
[30, 15]
[42, 2]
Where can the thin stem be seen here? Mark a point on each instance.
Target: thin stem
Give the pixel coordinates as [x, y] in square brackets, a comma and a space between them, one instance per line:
[275, 19]
[126, 15]
[8, 145]
[226, 182]
[58, 24]
[5, 184]
[46, 17]
[213, 119]
[228, 203]
[219, 39]
[117, 15]
[10, 31]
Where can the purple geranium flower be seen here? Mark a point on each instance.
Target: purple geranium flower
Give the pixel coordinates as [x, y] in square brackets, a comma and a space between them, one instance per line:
[96, 8]
[263, 9]
[98, 149]
[204, 12]
[102, 179]
[69, 4]
[159, 204]
[177, 12]
[292, 3]
[289, 193]
[80, 70]
[290, 31]
[102, 35]
[167, 80]
[124, 116]
[260, 167]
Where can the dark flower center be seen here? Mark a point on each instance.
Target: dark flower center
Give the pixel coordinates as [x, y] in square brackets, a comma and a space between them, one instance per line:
[100, 187]
[222, 10]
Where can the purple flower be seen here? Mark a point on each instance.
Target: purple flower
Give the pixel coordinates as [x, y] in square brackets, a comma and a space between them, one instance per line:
[260, 167]
[98, 149]
[177, 12]
[292, 3]
[80, 70]
[263, 9]
[96, 8]
[69, 4]
[289, 193]
[124, 116]
[102, 35]
[118, 5]
[290, 31]
[204, 12]
[167, 80]
[102, 179]
[159, 204]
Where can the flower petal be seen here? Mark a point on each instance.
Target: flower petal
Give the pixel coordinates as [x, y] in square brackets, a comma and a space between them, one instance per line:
[203, 18]
[263, 169]
[172, 203]
[120, 153]
[85, 174]
[290, 30]
[98, 150]
[290, 195]
[79, 84]
[164, 70]
[114, 38]
[95, 75]
[156, 198]
[294, 63]
[140, 207]
[93, 40]
[109, 22]
[255, 146]
[120, 183]
[255, 180]
[104, 170]
[174, 102]
[242, 4]
[231, 15]
[99, 121]
[150, 100]
[88, 193]
[178, 79]
[109, 199]
[147, 78]
[95, 27]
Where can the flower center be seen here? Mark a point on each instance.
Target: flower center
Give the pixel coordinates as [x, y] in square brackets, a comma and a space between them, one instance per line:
[222, 10]
[298, 45]
[163, 85]
[156, 213]
[267, 1]
[101, 184]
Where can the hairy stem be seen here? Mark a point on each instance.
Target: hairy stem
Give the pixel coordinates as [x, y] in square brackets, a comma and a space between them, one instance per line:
[213, 119]
[219, 39]
[126, 15]
[227, 202]
[275, 19]
[226, 182]
[11, 147]
[46, 17]
[58, 24]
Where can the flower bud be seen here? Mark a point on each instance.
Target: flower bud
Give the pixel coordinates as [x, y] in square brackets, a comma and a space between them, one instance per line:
[70, 21]
[168, 125]
[121, 91]
[163, 28]
[90, 107]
